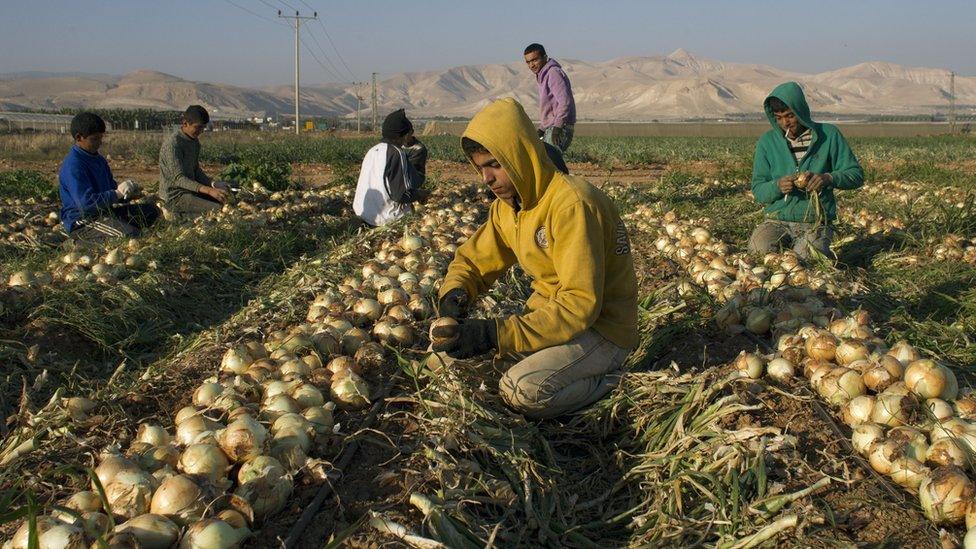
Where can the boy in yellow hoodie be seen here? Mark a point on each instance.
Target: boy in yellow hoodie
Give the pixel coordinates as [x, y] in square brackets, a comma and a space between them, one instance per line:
[580, 323]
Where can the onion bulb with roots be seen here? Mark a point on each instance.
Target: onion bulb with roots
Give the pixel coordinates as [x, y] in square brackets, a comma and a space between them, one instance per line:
[243, 439]
[129, 494]
[206, 461]
[929, 379]
[891, 410]
[822, 346]
[780, 369]
[213, 534]
[84, 502]
[897, 388]
[857, 410]
[946, 451]
[840, 385]
[291, 421]
[280, 404]
[945, 495]
[152, 530]
[261, 466]
[368, 310]
[51, 534]
[864, 435]
[952, 427]
[352, 340]
[908, 472]
[153, 434]
[180, 499]
[749, 365]
[350, 391]
[811, 366]
[403, 335]
[157, 457]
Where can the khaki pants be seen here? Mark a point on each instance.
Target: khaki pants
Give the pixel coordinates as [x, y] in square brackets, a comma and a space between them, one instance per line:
[564, 378]
[771, 236]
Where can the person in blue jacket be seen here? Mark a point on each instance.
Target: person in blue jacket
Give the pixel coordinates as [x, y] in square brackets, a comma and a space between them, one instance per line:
[93, 206]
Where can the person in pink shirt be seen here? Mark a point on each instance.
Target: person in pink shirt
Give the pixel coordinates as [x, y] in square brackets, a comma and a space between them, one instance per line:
[555, 97]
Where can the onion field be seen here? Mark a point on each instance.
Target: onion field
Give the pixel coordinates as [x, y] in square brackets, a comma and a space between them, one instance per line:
[260, 377]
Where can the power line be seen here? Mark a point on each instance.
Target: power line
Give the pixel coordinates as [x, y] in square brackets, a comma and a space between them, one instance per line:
[324, 54]
[319, 61]
[329, 37]
[254, 13]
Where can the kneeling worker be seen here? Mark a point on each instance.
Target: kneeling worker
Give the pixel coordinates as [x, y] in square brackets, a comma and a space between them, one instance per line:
[92, 204]
[185, 190]
[392, 174]
[581, 321]
[797, 166]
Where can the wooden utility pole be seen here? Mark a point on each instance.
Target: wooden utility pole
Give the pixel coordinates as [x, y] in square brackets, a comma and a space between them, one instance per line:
[374, 102]
[298, 23]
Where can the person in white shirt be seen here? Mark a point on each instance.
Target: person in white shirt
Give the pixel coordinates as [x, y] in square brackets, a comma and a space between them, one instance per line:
[392, 175]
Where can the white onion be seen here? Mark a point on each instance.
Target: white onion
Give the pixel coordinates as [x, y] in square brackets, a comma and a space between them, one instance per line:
[262, 496]
[307, 396]
[243, 439]
[185, 413]
[891, 410]
[291, 421]
[213, 534]
[260, 466]
[759, 320]
[946, 451]
[321, 418]
[883, 452]
[129, 494]
[235, 360]
[908, 472]
[822, 346]
[841, 385]
[966, 407]
[196, 429]
[206, 394]
[928, 379]
[945, 494]
[904, 353]
[780, 369]
[153, 531]
[850, 351]
[349, 390]
[180, 499]
[864, 435]
[280, 404]
[917, 442]
[940, 409]
[110, 465]
[748, 365]
[857, 410]
[84, 502]
[205, 460]
[153, 434]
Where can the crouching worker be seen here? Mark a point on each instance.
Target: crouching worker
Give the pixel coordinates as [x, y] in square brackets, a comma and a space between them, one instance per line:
[392, 175]
[187, 191]
[93, 205]
[580, 323]
[797, 166]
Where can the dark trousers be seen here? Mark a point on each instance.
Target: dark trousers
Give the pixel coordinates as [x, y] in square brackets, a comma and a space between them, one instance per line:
[189, 204]
[120, 221]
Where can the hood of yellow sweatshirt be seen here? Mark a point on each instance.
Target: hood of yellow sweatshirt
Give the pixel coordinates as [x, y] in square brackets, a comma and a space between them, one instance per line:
[506, 131]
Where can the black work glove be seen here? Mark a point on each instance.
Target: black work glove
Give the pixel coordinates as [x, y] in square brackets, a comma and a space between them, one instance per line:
[417, 156]
[476, 336]
[454, 304]
[557, 135]
[541, 132]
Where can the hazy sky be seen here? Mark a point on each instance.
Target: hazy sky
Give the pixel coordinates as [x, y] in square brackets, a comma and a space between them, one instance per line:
[217, 41]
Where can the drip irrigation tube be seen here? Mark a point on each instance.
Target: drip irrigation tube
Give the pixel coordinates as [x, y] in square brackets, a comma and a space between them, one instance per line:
[296, 532]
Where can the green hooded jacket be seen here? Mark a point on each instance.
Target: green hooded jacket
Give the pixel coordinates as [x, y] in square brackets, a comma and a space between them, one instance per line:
[828, 153]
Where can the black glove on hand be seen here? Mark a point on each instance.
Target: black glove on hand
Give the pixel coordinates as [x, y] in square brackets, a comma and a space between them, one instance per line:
[476, 336]
[454, 304]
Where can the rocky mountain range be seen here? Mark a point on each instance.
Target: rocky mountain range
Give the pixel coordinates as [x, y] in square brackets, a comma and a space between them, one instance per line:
[672, 87]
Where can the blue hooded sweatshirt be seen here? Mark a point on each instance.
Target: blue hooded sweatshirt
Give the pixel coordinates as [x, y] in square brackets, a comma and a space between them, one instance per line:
[86, 186]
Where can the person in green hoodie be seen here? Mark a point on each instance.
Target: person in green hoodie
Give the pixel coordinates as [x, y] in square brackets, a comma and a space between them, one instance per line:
[797, 166]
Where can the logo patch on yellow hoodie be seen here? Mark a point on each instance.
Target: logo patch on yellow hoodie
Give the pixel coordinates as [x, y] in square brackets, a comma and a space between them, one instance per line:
[540, 237]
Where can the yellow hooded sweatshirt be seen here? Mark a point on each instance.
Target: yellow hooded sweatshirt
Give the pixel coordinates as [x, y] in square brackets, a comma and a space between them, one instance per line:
[568, 236]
